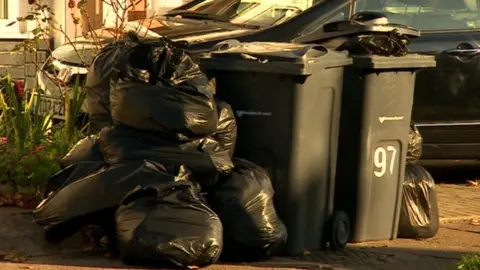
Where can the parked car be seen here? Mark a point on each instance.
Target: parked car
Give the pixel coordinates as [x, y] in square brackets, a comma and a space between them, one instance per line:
[447, 102]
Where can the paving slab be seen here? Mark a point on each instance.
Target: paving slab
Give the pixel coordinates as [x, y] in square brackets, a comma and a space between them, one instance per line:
[18, 232]
[458, 202]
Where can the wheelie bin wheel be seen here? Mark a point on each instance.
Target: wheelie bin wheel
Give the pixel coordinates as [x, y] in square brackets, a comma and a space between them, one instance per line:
[340, 230]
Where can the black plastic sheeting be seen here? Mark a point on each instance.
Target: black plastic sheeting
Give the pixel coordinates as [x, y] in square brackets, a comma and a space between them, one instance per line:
[415, 142]
[157, 75]
[97, 85]
[157, 87]
[176, 113]
[244, 203]
[73, 206]
[71, 174]
[137, 183]
[419, 217]
[226, 133]
[121, 144]
[383, 44]
[86, 149]
[168, 224]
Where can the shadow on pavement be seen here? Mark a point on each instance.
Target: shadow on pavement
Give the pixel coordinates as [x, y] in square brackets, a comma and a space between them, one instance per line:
[17, 232]
[351, 258]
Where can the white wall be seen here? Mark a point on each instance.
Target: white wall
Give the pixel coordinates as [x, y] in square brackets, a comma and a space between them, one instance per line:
[60, 17]
[160, 7]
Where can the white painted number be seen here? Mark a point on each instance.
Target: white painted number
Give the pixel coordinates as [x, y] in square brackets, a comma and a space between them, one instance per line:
[381, 159]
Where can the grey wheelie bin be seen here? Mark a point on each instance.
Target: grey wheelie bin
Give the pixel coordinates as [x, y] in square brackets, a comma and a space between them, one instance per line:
[376, 110]
[287, 102]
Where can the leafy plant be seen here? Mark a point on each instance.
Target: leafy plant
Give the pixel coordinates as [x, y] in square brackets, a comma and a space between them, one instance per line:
[24, 158]
[68, 133]
[30, 144]
[469, 262]
[30, 147]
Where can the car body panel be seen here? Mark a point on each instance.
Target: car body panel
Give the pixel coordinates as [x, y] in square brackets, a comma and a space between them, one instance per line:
[447, 100]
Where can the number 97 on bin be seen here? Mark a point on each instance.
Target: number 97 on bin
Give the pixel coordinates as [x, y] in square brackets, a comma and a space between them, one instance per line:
[385, 160]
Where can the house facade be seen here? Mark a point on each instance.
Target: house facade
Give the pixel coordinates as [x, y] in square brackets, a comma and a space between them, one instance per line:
[23, 65]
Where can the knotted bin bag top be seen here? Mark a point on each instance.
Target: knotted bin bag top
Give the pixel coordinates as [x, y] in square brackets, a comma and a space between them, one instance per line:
[156, 86]
[168, 224]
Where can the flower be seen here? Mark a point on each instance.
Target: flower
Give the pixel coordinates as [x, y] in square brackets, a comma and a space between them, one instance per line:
[4, 140]
[38, 148]
[19, 87]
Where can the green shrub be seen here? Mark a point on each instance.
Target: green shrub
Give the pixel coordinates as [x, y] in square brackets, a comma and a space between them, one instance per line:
[30, 147]
[469, 262]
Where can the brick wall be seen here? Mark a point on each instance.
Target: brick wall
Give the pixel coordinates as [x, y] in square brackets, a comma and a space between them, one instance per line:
[21, 65]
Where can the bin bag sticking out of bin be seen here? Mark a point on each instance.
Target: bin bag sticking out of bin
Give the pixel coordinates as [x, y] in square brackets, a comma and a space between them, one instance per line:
[244, 203]
[168, 224]
[419, 217]
[415, 141]
[157, 87]
[383, 44]
[121, 144]
[86, 150]
[80, 202]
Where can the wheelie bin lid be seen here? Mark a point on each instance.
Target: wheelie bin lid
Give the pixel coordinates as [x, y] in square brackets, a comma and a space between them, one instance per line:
[271, 57]
[409, 61]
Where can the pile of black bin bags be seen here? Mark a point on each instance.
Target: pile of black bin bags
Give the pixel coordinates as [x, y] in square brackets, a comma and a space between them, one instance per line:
[160, 178]
[419, 217]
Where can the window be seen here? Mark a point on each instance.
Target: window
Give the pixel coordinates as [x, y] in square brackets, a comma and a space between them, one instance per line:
[427, 14]
[3, 9]
[253, 12]
[9, 11]
[273, 16]
[341, 13]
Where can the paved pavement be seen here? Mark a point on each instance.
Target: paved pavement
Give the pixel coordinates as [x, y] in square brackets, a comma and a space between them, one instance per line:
[17, 232]
[458, 202]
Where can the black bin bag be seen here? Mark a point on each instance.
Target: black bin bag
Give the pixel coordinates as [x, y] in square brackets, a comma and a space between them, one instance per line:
[244, 203]
[97, 85]
[226, 133]
[86, 150]
[97, 195]
[415, 141]
[71, 174]
[176, 113]
[121, 144]
[419, 217]
[157, 87]
[168, 224]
